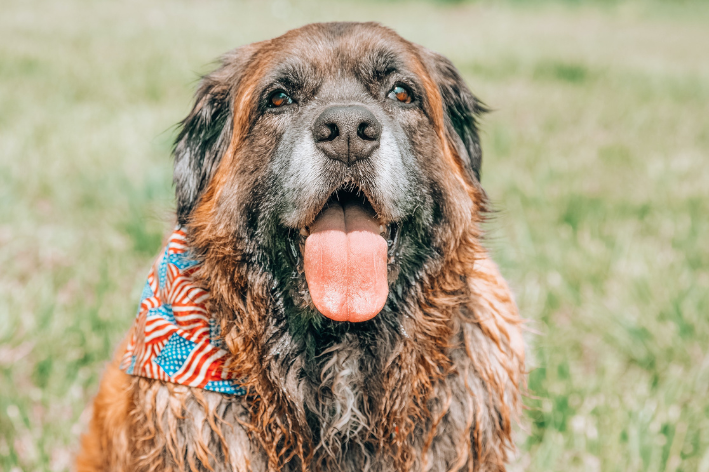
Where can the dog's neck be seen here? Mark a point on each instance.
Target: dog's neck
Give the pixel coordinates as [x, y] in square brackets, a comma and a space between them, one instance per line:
[357, 396]
[361, 394]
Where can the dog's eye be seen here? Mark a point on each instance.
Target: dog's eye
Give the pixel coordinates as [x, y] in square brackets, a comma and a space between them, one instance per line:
[401, 94]
[278, 99]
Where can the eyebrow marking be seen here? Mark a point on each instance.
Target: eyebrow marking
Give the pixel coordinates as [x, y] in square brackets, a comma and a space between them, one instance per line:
[292, 74]
[382, 63]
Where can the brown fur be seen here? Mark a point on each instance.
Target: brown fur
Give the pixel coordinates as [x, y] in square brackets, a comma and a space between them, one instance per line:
[104, 446]
[452, 385]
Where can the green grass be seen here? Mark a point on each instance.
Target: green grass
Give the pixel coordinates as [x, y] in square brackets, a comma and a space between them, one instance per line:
[597, 158]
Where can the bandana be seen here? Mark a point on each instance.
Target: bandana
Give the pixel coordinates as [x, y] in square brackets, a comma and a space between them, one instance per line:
[173, 337]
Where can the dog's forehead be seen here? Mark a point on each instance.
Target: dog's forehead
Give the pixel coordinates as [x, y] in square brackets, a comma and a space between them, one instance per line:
[335, 49]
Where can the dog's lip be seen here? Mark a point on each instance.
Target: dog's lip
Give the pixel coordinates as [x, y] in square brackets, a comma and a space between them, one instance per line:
[390, 230]
[348, 193]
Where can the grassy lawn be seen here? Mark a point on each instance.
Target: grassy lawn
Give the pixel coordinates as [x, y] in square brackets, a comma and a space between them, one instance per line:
[597, 158]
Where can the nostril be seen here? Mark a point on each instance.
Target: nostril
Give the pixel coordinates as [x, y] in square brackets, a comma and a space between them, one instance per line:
[367, 131]
[347, 133]
[327, 132]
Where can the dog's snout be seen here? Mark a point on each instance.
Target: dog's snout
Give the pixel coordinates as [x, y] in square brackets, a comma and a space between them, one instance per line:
[347, 133]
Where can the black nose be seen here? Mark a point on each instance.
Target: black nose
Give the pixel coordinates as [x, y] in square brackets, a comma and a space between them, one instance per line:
[347, 133]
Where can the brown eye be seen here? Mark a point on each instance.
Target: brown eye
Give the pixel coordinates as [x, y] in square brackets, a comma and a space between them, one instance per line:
[401, 94]
[278, 99]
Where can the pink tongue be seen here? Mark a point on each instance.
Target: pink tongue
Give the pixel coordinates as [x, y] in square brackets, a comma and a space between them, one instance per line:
[346, 264]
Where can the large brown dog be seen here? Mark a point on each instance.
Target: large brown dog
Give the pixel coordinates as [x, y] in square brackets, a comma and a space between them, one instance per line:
[328, 181]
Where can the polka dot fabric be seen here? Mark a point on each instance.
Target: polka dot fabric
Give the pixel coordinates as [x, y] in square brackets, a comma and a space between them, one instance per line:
[173, 338]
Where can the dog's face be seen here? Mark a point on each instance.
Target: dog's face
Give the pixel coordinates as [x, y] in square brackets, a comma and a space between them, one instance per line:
[340, 154]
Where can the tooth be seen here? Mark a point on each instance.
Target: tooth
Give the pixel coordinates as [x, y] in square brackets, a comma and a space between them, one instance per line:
[304, 232]
[381, 228]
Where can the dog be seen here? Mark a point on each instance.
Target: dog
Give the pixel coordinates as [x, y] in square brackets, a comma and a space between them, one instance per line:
[328, 260]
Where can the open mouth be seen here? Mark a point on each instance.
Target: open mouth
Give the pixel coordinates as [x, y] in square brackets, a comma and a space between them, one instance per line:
[345, 257]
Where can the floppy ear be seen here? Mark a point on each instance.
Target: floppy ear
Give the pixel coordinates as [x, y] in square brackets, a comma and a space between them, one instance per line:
[206, 132]
[461, 109]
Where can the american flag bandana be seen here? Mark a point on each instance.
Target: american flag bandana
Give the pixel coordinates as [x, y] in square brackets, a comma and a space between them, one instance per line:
[173, 338]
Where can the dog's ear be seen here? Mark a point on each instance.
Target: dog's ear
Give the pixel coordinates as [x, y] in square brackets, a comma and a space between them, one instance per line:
[461, 109]
[206, 132]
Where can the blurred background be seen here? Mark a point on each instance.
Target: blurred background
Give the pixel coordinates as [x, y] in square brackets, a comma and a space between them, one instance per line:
[596, 158]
